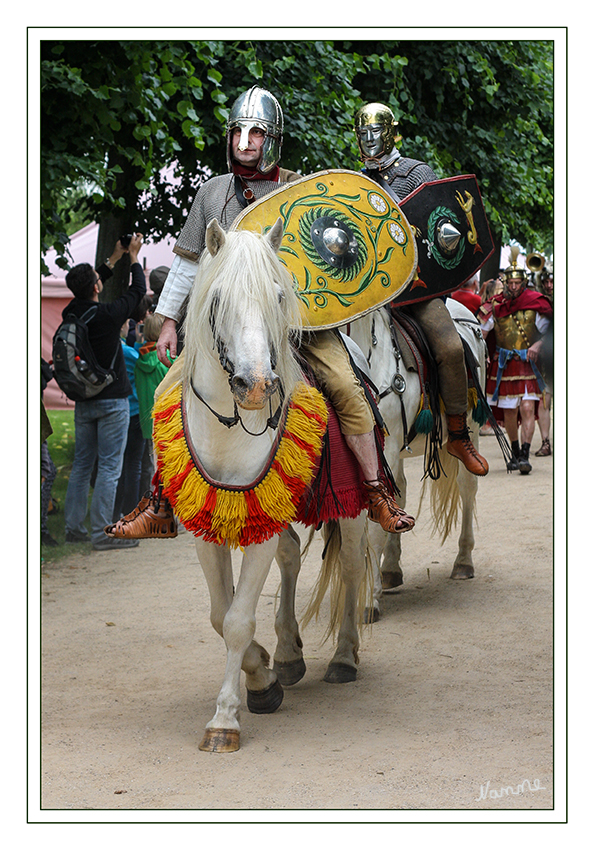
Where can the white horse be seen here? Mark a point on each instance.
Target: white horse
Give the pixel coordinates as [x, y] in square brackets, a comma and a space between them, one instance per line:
[220, 441]
[450, 492]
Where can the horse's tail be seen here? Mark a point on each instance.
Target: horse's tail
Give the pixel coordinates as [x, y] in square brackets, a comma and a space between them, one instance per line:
[330, 579]
[445, 500]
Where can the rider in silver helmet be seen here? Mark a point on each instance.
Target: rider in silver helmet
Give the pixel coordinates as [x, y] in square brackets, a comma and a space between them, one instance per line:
[253, 143]
[377, 134]
[256, 108]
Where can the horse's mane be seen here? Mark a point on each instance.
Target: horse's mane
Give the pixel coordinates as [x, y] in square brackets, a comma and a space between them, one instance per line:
[244, 271]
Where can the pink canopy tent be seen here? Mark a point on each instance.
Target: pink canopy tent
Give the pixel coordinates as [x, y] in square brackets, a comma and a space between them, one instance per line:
[55, 295]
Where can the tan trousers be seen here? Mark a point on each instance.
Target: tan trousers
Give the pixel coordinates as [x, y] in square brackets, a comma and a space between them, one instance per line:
[446, 346]
[328, 358]
[326, 354]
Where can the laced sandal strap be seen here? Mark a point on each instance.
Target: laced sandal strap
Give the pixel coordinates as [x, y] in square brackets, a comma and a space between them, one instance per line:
[383, 509]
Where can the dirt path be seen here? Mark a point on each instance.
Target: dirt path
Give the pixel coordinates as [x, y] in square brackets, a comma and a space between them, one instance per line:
[453, 699]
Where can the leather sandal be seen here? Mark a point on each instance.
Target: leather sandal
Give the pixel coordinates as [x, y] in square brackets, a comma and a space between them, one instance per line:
[152, 517]
[545, 449]
[383, 509]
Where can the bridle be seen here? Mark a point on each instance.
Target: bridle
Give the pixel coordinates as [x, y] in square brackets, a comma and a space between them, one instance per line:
[230, 421]
[229, 367]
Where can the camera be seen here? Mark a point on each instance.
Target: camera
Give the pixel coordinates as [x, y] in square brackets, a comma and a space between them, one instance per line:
[126, 239]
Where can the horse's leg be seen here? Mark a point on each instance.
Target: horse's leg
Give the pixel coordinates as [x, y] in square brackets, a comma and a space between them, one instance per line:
[235, 618]
[376, 543]
[343, 666]
[463, 565]
[385, 549]
[288, 657]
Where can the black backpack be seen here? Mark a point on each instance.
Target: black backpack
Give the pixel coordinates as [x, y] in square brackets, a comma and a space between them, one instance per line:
[76, 370]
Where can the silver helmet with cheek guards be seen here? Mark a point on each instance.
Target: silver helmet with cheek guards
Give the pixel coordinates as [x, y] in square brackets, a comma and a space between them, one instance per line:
[257, 108]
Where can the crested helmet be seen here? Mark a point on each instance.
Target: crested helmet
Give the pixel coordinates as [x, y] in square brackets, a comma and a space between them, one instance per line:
[514, 271]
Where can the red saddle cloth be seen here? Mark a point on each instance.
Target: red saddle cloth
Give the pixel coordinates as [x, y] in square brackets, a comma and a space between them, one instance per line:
[336, 491]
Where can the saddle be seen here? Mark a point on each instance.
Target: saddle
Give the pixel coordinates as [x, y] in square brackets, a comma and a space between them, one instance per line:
[411, 346]
[337, 490]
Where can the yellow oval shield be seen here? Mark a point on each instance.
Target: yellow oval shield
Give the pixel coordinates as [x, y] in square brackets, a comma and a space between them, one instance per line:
[347, 245]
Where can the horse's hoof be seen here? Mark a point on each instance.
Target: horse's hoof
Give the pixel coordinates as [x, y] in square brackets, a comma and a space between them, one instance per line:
[392, 580]
[289, 672]
[266, 701]
[220, 741]
[371, 615]
[462, 571]
[339, 673]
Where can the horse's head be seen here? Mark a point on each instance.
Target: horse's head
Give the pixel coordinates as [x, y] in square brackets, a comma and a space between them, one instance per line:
[246, 295]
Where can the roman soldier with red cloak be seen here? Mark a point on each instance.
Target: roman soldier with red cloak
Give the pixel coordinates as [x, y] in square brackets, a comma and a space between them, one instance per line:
[518, 318]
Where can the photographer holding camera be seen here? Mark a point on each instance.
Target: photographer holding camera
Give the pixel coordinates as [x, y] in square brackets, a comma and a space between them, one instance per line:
[101, 422]
[122, 246]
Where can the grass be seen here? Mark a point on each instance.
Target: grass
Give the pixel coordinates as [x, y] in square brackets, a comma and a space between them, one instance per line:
[61, 448]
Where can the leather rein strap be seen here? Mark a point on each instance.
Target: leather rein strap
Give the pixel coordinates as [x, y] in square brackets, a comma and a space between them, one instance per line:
[230, 421]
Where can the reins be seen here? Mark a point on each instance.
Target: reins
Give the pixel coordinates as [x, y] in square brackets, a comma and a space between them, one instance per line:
[230, 421]
[398, 382]
[229, 367]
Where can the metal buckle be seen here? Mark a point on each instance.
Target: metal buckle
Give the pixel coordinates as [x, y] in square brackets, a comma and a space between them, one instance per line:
[398, 384]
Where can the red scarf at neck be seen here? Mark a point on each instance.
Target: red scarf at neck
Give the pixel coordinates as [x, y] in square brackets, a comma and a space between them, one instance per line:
[249, 173]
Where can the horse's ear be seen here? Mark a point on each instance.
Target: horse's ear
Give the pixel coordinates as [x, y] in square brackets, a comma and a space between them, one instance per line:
[275, 234]
[215, 237]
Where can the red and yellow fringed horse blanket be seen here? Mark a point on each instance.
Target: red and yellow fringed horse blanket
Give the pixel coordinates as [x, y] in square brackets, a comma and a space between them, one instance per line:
[239, 516]
[294, 486]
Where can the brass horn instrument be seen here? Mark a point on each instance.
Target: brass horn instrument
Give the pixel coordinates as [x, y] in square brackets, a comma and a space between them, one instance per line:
[535, 262]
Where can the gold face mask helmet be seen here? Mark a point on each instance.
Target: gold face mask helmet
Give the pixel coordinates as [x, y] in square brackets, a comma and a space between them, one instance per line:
[376, 130]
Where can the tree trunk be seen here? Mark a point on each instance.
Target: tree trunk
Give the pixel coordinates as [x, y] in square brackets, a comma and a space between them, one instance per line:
[115, 223]
[111, 227]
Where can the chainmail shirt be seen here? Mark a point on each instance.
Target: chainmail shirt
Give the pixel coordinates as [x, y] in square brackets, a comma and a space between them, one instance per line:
[406, 175]
[215, 199]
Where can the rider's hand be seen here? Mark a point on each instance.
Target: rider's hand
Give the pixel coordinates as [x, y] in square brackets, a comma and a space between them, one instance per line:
[167, 342]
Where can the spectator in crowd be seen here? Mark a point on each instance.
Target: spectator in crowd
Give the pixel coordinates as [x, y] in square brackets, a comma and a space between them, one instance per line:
[468, 294]
[149, 372]
[157, 280]
[128, 491]
[101, 423]
[48, 468]
[137, 318]
[489, 289]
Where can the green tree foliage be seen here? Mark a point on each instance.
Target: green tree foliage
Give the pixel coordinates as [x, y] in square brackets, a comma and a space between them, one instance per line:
[115, 114]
